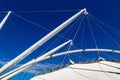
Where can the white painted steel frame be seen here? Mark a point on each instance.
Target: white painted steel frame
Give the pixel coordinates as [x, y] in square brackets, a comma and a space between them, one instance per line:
[39, 43]
[32, 62]
[5, 19]
[60, 54]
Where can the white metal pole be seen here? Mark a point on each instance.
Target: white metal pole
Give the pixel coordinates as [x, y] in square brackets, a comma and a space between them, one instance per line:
[4, 20]
[13, 74]
[56, 55]
[39, 43]
[32, 62]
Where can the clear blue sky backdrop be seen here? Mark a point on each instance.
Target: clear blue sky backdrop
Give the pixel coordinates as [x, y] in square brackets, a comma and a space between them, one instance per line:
[106, 10]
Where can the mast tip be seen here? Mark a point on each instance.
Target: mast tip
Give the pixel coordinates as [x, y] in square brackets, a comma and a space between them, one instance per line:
[9, 11]
[85, 11]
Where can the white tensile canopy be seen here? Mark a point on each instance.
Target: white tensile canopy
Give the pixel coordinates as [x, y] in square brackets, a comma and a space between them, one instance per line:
[102, 70]
[99, 70]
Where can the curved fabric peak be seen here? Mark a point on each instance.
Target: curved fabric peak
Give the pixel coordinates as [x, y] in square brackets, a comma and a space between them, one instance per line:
[103, 70]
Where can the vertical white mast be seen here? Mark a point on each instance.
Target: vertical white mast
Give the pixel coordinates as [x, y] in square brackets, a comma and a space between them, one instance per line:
[4, 20]
[40, 42]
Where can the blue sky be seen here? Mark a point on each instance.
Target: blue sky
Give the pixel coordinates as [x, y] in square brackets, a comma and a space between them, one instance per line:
[17, 34]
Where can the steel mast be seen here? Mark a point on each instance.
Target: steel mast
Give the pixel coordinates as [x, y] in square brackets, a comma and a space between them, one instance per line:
[32, 62]
[5, 19]
[40, 42]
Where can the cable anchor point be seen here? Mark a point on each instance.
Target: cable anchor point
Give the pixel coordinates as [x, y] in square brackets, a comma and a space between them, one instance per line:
[85, 11]
[71, 43]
